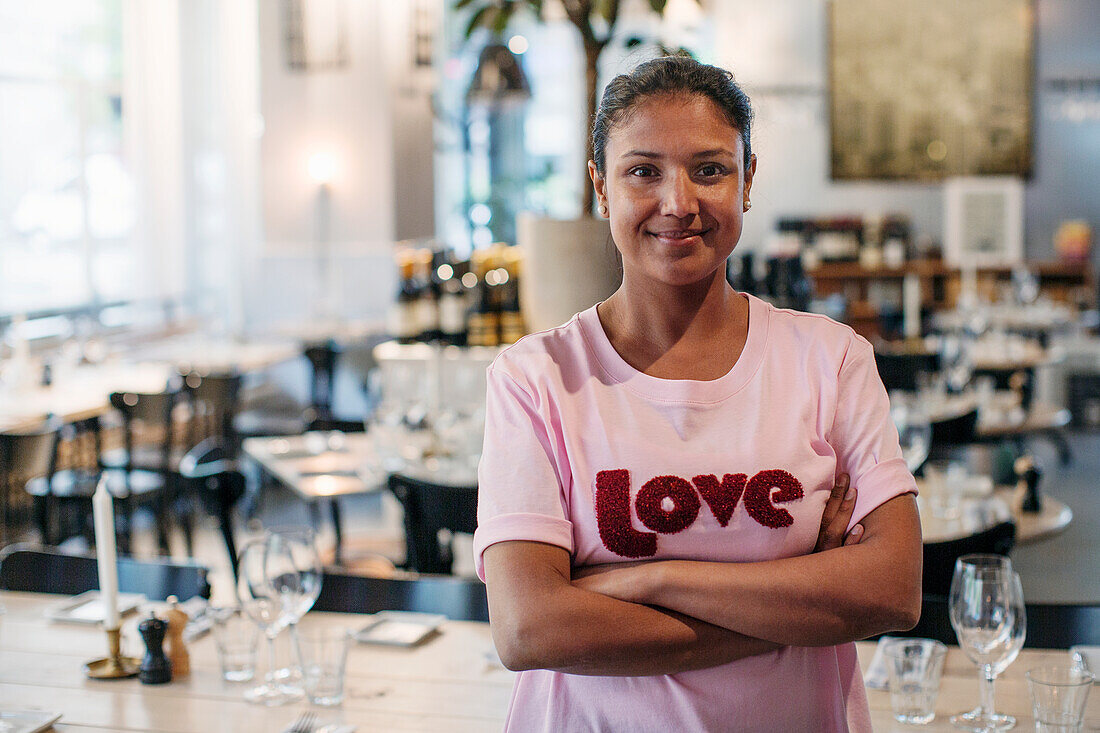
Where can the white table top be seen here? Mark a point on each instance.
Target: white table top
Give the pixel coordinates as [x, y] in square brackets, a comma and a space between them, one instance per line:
[978, 513]
[326, 464]
[82, 393]
[447, 683]
[218, 354]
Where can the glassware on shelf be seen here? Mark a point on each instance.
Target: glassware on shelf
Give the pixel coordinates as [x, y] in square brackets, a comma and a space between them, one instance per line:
[268, 609]
[986, 605]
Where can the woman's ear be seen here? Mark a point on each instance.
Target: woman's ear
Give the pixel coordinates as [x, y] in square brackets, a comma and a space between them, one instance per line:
[598, 183]
[750, 171]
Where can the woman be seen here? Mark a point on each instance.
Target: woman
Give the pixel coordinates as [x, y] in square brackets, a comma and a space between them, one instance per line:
[656, 472]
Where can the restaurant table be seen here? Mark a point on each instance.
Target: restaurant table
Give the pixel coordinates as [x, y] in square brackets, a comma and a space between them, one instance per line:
[217, 354]
[979, 513]
[79, 394]
[328, 465]
[450, 682]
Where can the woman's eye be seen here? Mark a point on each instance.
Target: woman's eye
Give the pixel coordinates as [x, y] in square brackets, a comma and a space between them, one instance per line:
[642, 171]
[710, 170]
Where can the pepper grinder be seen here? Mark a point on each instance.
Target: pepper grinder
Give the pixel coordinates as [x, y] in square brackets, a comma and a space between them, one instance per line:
[1027, 483]
[177, 650]
[155, 667]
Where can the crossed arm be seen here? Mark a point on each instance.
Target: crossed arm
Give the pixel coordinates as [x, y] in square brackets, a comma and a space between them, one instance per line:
[665, 617]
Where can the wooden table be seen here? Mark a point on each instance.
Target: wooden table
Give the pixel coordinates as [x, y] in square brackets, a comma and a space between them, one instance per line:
[447, 683]
[218, 355]
[81, 394]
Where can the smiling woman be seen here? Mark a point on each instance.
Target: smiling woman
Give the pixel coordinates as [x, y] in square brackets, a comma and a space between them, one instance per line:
[692, 498]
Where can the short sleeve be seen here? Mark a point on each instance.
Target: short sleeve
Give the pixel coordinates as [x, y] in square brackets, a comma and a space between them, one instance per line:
[520, 495]
[863, 434]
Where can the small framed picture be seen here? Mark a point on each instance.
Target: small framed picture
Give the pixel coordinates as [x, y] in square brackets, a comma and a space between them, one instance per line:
[983, 221]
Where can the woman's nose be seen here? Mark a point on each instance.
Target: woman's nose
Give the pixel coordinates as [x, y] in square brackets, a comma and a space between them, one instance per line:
[678, 196]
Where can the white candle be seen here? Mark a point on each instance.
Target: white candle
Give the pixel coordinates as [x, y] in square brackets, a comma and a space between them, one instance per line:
[911, 306]
[103, 512]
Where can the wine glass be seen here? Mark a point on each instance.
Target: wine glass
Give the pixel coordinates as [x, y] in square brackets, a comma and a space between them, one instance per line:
[294, 570]
[914, 429]
[267, 608]
[986, 605]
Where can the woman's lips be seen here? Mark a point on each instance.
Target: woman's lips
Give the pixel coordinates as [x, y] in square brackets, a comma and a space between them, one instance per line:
[680, 237]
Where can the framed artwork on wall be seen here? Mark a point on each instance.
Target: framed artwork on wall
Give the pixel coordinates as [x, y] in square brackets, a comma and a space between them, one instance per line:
[983, 221]
[932, 89]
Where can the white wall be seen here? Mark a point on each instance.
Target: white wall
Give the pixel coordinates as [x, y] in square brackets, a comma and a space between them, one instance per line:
[373, 117]
[778, 50]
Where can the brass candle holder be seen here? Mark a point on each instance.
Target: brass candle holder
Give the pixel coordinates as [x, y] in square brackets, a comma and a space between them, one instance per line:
[114, 666]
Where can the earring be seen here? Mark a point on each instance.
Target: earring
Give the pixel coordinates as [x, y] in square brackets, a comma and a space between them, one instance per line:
[603, 209]
[748, 205]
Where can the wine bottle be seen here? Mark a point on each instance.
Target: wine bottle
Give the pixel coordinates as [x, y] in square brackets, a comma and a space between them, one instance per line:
[401, 320]
[453, 302]
[512, 327]
[427, 305]
[483, 320]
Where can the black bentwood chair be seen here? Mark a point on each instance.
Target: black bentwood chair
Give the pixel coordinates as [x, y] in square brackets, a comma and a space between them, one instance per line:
[429, 508]
[460, 599]
[33, 569]
[1049, 625]
[940, 557]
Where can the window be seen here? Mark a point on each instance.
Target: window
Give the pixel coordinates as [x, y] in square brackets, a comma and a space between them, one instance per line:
[66, 196]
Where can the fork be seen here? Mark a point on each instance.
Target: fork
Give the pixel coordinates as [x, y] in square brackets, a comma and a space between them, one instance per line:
[305, 723]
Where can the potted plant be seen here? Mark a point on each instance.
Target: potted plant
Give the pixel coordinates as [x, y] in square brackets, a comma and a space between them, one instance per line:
[564, 274]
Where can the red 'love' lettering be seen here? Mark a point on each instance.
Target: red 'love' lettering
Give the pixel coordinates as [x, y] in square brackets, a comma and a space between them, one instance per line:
[613, 505]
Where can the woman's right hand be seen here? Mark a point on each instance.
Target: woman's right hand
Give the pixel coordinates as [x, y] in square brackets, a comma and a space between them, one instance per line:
[838, 512]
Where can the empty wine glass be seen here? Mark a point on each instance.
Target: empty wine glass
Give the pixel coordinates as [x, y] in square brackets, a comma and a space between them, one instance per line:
[914, 429]
[267, 608]
[294, 570]
[986, 604]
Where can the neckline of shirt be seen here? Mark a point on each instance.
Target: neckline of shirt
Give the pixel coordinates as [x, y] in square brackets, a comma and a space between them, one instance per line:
[680, 390]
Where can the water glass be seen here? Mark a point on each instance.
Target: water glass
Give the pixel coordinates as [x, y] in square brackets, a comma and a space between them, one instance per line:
[236, 637]
[915, 666]
[1058, 697]
[324, 660]
[944, 481]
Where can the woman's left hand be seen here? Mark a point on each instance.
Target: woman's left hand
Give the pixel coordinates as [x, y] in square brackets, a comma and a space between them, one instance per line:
[838, 512]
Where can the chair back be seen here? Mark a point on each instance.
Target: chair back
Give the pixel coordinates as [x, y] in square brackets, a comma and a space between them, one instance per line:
[322, 360]
[48, 570]
[952, 434]
[460, 599]
[430, 508]
[901, 371]
[1049, 625]
[212, 474]
[148, 411]
[23, 456]
[214, 400]
[940, 557]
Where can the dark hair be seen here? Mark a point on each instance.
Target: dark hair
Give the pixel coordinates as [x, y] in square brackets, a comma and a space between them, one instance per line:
[670, 75]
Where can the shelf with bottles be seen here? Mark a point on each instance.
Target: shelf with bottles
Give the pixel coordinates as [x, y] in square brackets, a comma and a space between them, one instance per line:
[443, 300]
[875, 293]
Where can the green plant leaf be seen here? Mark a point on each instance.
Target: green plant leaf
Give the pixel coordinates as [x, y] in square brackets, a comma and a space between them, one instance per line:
[463, 3]
[504, 15]
[480, 18]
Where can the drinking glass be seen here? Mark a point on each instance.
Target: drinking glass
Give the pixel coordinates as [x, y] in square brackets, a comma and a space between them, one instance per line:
[235, 637]
[914, 429]
[294, 569]
[915, 666]
[986, 604]
[267, 608]
[325, 656]
[1058, 697]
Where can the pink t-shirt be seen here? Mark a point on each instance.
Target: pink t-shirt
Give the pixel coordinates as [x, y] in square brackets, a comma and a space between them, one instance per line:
[585, 452]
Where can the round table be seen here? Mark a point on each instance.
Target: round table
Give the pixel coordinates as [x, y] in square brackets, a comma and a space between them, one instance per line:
[979, 513]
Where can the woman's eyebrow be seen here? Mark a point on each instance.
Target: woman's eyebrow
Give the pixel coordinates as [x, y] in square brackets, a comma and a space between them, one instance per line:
[701, 154]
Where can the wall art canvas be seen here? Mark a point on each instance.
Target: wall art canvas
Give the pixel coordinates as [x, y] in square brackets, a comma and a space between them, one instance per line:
[931, 89]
